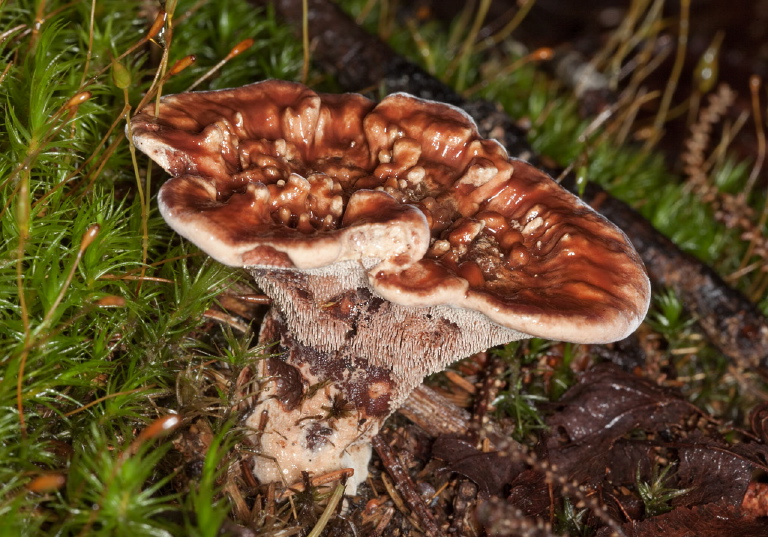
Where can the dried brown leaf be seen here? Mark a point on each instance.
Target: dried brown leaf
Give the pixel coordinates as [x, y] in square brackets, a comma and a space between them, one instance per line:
[490, 471]
[711, 520]
[713, 474]
[606, 405]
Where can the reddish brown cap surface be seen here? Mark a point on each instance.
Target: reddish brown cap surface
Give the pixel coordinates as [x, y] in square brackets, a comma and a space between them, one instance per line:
[275, 175]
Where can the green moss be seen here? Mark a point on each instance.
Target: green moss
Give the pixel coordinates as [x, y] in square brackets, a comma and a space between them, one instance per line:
[96, 343]
[92, 339]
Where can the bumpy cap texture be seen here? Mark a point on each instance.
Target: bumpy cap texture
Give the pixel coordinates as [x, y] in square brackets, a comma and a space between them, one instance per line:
[273, 175]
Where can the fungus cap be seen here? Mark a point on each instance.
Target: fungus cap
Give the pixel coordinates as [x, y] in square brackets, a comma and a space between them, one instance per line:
[275, 176]
[392, 240]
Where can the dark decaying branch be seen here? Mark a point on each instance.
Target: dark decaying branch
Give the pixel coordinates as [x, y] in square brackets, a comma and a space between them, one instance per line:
[361, 62]
[405, 486]
[732, 323]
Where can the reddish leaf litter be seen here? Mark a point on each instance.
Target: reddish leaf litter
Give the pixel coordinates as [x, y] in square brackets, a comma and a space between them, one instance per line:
[610, 433]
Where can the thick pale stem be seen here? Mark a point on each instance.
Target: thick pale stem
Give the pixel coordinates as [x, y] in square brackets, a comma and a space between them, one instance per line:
[344, 360]
[317, 410]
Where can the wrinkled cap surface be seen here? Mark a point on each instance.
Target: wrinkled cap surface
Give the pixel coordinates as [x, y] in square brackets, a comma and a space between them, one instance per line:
[275, 175]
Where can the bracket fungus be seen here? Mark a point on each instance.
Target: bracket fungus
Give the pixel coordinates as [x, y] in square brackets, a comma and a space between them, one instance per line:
[392, 239]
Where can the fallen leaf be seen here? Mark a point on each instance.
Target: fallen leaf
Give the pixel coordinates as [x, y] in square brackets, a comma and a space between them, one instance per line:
[490, 471]
[607, 404]
[712, 520]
